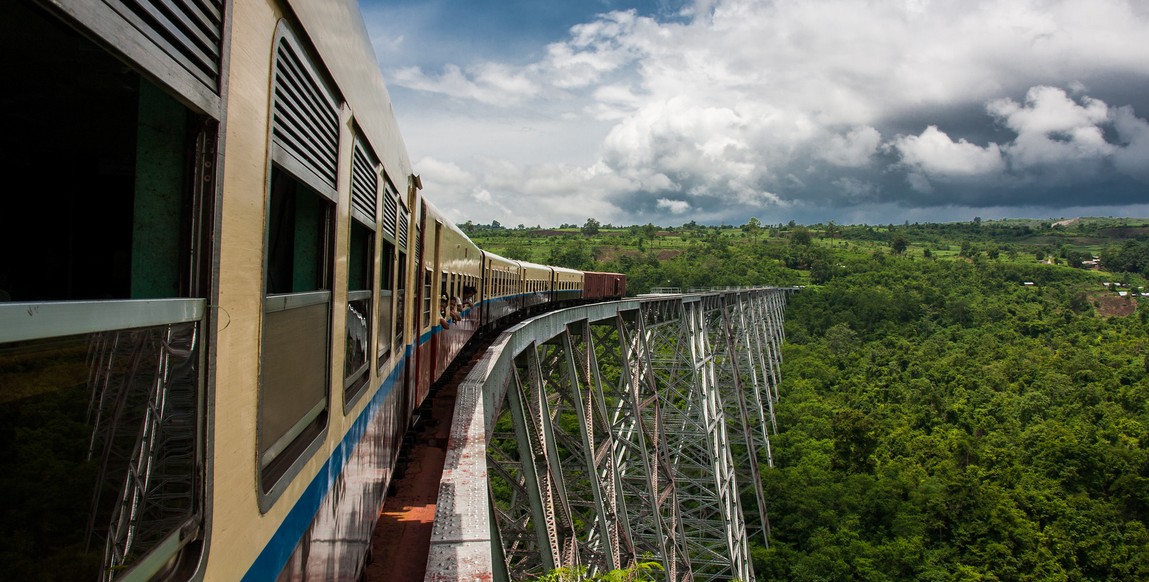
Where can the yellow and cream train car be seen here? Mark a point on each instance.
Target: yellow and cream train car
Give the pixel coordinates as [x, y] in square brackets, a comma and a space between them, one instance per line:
[222, 291]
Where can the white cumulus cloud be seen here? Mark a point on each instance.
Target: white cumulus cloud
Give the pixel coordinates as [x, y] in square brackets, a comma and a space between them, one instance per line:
[935, 153]
[852, 150]
[737, 108]
[674, 206]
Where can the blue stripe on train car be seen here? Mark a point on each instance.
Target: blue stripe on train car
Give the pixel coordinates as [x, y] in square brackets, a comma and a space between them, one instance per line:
[279, 548]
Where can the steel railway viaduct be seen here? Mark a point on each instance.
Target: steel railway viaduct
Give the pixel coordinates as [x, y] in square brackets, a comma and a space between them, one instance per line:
[603, 434]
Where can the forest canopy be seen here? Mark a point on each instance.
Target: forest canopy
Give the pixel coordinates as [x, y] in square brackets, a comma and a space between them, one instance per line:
[962, 401]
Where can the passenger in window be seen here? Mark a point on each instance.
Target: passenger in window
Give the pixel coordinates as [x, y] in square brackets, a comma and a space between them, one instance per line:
[443, 321]
[456, 309]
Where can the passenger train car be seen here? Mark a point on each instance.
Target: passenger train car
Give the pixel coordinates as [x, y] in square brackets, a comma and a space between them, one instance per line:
[223, 290]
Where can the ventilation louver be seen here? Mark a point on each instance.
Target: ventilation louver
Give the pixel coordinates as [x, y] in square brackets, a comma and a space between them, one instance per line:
[364, 184]
[305, 119]
[189, 31]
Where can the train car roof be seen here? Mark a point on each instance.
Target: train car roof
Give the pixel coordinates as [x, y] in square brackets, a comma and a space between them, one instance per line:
[337, 30]
[499, 258]
[530, 265]
[446, 222]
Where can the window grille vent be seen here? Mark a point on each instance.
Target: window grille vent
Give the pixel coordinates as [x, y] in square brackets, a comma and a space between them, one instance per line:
[189, 31]
[364, 184]
[305, 118]
[418, 247]
[390, 211]
[404, 219]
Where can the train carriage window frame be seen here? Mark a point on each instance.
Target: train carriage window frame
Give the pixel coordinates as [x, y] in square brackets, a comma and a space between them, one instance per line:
[295, 364]
[360, 294]
[428, 301]
[117, 241]
[388, 269]
[402, 264]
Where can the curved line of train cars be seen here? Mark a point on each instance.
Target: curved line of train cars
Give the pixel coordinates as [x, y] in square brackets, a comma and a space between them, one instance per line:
[222, 290]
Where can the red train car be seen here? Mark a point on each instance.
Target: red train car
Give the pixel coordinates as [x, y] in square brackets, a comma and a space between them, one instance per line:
[603, 285]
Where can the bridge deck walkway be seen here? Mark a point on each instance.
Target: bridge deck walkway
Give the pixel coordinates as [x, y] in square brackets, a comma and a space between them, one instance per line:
[402, 537]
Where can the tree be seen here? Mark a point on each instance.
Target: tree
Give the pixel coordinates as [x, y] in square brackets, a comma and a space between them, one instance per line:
[519, 250]
[650, 231]
[752, 228]
[640, 572]
[967, 250]
[590, 228]
[840, 339]
[832, 229]
[899, 244]
[800, 236]
[575, 255]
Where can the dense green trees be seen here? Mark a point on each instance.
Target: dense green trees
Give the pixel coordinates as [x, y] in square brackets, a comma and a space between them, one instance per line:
[1131, 257]
[943, 421]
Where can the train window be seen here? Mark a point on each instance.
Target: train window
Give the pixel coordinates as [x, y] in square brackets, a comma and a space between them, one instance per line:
[360, 274]
[359, 302]
[117, 222]
[297, 308]
[295, 349]
[386, 286]
[402, 243]
[400, 301]
[445, 286]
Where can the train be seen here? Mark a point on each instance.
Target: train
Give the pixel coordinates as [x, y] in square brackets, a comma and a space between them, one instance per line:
[224, 291]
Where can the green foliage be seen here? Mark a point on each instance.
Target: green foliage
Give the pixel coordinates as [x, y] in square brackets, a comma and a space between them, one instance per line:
[800, 236]
[899, 244]
[590, 228]
[640, 572]
[1131, 257]
[941, 420]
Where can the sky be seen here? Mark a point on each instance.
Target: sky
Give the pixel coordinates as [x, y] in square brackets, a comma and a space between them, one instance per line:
[715, 111]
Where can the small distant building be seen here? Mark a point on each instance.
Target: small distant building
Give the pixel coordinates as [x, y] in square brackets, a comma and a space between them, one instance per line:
[1028, 283]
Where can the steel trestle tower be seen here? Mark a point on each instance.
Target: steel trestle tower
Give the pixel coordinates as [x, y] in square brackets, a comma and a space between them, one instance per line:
[605, 435]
